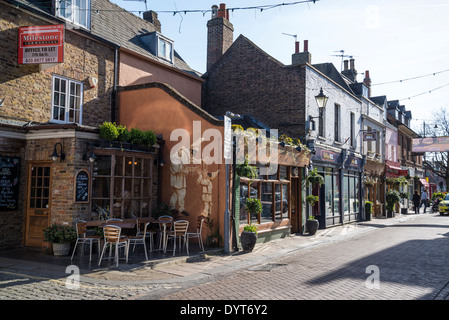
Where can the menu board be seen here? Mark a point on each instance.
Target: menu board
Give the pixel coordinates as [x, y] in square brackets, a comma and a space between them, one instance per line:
[9, 183]
[82, 186]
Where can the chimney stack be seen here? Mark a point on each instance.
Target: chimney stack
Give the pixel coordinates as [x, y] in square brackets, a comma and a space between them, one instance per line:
[367, 82]
[151, 16]
[297, 47]
[302, 57]
[350, 73]
[220, 34]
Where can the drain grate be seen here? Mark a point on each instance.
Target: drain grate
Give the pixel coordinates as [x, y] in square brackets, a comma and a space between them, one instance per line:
[267, 267]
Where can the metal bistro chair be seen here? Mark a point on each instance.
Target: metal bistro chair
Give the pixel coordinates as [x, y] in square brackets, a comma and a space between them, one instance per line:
[147, 232]
[197, 234]
[81, 228]
[165, 228]
[112, 220]
[112, 237]
[140, 239]
[179, 232]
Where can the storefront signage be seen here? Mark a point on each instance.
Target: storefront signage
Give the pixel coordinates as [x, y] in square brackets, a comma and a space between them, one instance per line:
[353, 162]
[369, 136]
[41, 44]
[9, 183]
[82, 186]
[227, 142]
[326, 155]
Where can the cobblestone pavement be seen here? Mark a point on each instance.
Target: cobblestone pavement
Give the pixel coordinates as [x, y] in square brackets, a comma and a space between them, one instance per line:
[410, 252]
[410, 261]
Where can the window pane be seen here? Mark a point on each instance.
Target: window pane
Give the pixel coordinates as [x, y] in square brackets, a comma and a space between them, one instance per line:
[102, 166]
[285, 201]
[101, 187]
[267, 202]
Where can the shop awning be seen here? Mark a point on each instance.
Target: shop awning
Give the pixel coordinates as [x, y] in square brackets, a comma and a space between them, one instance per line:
[394, 171]
[424, 182]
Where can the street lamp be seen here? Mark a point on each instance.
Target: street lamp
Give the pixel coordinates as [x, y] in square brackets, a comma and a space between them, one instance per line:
[321, 99]
[228, 141]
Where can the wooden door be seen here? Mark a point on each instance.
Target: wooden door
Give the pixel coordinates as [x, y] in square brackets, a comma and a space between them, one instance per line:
[295, 203]
[38, 201]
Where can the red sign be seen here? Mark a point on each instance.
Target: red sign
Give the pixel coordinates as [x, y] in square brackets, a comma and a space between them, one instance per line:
[41, 44]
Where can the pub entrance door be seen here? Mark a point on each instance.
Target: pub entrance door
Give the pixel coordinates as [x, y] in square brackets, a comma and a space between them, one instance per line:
[38, 201]
[296, 205]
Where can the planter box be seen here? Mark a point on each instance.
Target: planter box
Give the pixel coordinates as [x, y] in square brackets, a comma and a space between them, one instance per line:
[61, 249]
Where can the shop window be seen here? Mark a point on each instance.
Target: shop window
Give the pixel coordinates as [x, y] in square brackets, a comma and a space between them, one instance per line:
[123, 183]
[67, 100]
[75, 11]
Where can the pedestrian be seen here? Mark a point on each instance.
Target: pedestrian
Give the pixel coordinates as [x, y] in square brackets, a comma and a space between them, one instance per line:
[424, 199]
[416, 200]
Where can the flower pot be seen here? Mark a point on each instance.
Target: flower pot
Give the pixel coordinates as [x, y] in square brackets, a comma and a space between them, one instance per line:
[312, 226]
[47, 248]
[248, 240]
[61, 249]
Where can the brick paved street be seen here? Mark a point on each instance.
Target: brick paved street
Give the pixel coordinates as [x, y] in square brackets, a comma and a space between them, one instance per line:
[412, 258]
[411, 255]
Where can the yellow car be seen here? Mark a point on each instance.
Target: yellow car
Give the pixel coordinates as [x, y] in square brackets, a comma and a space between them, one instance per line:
[444, 205]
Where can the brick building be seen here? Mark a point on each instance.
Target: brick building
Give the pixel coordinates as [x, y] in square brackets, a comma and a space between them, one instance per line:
[244, 79]
[56, 103]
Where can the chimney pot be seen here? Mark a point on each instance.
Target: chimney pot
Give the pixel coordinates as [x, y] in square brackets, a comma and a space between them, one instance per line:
[297, 47]
[214, 11]
[222, 11]
[351, 62]
[306, 45]
[345, 65]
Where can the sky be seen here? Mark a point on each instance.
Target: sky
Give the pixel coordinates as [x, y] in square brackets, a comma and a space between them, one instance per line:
[403, 43]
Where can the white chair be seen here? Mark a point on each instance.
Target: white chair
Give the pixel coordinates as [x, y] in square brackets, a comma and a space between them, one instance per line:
[81, 228]
[149, 234]
[140, 239]
[165, 227]
[179, 232]
[197, 234]
[112, 237]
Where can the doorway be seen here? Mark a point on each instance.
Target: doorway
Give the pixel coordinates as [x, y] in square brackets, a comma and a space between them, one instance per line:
[38, 202]
[296, 205]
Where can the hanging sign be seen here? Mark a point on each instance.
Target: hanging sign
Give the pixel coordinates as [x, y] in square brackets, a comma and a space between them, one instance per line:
[369, 136]
[41, 44]
[82, 186]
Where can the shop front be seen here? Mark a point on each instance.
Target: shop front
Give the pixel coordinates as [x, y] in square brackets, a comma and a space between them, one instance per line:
[340, 197]
[375, 185]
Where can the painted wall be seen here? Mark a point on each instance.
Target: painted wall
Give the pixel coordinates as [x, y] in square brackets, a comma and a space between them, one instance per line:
[163, 110]
[138, 70]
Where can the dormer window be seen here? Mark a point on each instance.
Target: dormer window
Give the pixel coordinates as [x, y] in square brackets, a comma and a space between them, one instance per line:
[76, 12]
[160, 46]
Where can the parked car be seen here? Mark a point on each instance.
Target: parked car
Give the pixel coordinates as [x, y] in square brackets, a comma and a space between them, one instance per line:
[444, 205]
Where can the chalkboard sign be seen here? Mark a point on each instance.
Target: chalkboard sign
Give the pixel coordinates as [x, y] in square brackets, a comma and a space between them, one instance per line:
[9, 183]
[82, 186]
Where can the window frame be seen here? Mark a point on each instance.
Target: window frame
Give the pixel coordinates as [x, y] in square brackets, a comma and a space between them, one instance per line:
[166, 42]
[337, 115]
[72, 14]
[67, 99]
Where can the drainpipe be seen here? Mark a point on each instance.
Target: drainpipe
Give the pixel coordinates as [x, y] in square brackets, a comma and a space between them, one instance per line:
[114, 86]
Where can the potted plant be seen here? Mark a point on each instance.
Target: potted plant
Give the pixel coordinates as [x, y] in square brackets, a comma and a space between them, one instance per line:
[312, 224]
[248, 236]
[368, 210]
[404, 195]
[392, 197]
[61, 236]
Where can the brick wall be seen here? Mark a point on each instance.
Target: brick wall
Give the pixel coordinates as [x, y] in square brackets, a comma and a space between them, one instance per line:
[28, 90]
[248, 81]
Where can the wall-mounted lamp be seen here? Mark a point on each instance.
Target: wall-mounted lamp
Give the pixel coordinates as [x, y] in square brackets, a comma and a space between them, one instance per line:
[162, 163]
[89, 154]
[55, 155]
[321, 99]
